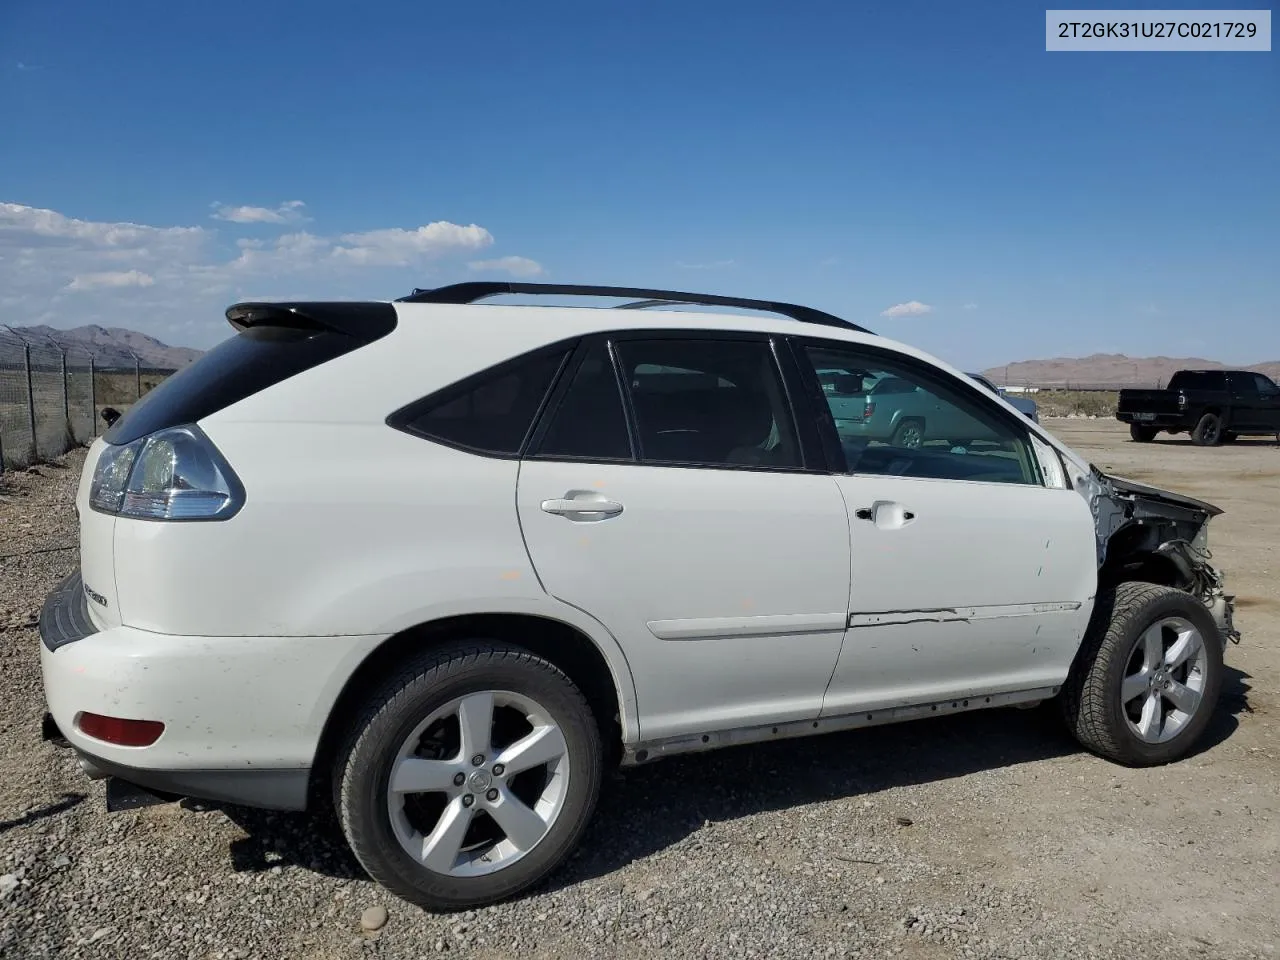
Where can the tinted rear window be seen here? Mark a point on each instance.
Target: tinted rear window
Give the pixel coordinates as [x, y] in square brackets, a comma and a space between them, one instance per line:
[247, 363]
[589, 422]
[1197, 380]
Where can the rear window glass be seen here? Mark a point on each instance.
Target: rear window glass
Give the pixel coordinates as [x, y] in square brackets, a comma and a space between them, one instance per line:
[249, 362]
[492, 411]
[1197, 380]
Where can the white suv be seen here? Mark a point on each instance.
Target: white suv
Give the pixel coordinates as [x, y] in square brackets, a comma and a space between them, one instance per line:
[440, 563]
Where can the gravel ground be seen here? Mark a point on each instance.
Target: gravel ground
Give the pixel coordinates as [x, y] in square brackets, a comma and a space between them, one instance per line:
[983, 836]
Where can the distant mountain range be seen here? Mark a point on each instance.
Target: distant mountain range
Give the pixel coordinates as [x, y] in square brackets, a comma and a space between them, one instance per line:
[113, 346]
[1110, 369]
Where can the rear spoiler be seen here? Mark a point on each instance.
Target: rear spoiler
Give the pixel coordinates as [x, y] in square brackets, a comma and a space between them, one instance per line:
[365, 320]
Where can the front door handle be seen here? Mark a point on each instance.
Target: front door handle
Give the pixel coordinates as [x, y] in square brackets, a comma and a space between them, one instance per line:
[582, 505]
[886, 514]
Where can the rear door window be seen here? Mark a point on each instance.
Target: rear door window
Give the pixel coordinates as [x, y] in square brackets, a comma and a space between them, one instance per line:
[713, 402]
[588, 422]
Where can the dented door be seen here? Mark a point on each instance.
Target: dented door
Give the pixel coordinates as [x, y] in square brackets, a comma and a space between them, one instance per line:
[960, 588]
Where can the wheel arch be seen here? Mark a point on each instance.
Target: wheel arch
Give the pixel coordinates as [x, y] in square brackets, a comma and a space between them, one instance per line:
[1157, 553]
[1143, 567]
[606, 683]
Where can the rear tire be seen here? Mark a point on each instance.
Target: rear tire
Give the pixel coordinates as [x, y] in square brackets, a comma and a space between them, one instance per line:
[1208, 432]
[909, 434]
[441, 843]
[1142, 434]
[1134, 695]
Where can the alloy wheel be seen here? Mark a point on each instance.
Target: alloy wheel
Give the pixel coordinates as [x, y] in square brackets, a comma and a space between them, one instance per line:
[478, 784]
[1164, 680]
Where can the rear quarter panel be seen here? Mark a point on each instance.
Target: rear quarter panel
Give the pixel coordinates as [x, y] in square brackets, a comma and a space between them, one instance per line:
[346, 530]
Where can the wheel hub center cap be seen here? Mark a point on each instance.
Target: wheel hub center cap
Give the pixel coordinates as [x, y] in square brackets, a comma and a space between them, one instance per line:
[480, 780]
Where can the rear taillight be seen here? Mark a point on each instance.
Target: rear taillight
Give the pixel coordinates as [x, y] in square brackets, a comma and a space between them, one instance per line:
[173, 474]
[123, 733]
[868, 410]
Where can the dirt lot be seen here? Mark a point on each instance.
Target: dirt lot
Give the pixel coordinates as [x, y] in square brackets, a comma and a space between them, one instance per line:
[988, 835]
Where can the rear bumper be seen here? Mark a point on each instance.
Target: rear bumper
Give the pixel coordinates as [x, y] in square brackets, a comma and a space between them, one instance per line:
[268, 789]
[1161, 421]
[243, 716]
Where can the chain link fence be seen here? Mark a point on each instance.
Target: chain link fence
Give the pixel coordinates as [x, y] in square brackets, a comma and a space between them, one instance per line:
[52, 396]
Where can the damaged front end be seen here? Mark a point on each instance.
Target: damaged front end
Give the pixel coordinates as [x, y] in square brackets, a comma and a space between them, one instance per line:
[1148, 534]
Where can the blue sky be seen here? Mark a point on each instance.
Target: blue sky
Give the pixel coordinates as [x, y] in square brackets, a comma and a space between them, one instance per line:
[163, 160]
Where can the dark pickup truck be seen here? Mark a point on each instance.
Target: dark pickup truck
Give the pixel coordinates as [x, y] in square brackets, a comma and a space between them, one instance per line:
[1214, 406]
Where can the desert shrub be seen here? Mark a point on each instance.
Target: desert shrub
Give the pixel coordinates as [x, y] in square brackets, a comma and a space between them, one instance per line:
[1081, 403]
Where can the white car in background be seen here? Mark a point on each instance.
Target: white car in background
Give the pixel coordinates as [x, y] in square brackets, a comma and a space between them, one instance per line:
[439, 563]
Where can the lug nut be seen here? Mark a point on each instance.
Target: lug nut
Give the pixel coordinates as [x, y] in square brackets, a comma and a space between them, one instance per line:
[492, 795]
[478, 760]
[459, 779]
[468, 800]
[498, 769]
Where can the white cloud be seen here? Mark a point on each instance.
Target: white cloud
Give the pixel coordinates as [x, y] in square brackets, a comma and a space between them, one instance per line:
[912, 308]
[40, 226]
[707, 265]
[970, 306]
[288, 212]
[397, 247]
[516, 266]
[174, 281]
[288, 252]
[112, 278]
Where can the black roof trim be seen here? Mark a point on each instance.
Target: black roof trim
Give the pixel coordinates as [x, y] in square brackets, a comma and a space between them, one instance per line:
[472, 291]
[364, 320]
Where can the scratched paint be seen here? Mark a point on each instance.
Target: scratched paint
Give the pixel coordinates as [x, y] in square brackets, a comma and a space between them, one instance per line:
[959, 614]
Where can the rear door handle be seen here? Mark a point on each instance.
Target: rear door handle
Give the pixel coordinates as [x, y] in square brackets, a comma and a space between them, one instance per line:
[580, 505]
[886, 514]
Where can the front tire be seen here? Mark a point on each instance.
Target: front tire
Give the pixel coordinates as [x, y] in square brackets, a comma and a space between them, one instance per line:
[1141, 434]
[470, 776]
[1147, 677]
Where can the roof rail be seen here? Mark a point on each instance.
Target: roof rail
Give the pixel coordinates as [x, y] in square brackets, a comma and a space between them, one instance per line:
[472, 291]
